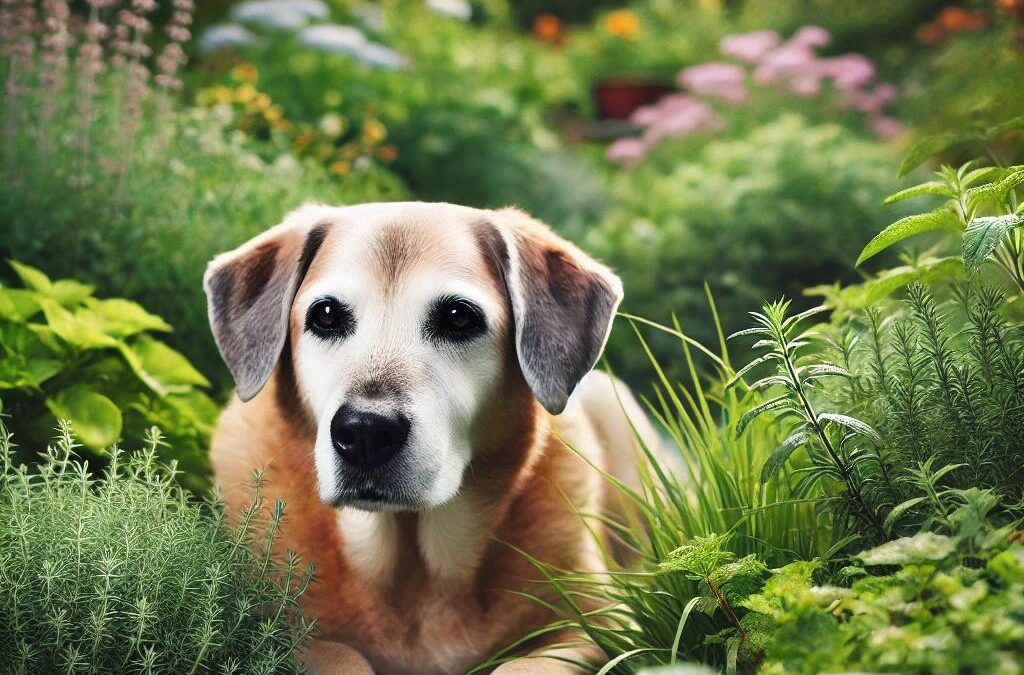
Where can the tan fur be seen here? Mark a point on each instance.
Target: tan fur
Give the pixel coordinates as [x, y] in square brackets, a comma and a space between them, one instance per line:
[435, 608]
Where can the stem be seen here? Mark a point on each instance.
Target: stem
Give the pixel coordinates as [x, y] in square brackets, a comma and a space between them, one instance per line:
[726, 607]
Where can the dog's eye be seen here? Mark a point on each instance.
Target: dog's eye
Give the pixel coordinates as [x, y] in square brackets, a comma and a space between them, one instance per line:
[328, 318]
[455, 320]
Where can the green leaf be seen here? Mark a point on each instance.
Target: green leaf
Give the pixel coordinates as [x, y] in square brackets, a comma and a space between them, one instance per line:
[31, 277]
[861, 296]
[753, 413]
[934, 187]
[67, 292]
[1013, 123]
[851, 423]
[77, 329]
[931, 146]
[94, 418]
[899, 510]
[940, 219]
[923, 547]
[778, 458]
[17, 304]
[161, 368]
[122, 318]
[983, 236]
[41, 370]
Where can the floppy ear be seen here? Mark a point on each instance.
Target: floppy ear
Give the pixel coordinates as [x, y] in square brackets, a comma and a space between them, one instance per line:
[563, 303]
[249, 293]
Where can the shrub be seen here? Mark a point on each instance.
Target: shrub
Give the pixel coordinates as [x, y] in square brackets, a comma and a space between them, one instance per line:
[122, 573]
[67, 355]
[766, 214]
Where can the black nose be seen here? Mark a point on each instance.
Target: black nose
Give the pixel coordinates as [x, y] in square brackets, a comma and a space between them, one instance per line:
[365, 439]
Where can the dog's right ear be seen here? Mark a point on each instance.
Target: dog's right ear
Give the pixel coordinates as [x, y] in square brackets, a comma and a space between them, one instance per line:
[249, 293]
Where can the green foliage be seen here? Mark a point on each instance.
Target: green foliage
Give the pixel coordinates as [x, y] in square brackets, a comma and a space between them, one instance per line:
[67, 355]
[123, 573]
[949, 606]
[756, 217]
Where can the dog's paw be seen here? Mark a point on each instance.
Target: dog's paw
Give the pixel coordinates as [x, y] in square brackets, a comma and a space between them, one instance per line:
[322, 657]
[536, 666]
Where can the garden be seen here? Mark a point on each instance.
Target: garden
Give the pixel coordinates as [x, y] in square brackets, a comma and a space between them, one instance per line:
[817, 212]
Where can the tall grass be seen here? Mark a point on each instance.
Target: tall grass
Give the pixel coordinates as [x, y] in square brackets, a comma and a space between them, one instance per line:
[706, 481]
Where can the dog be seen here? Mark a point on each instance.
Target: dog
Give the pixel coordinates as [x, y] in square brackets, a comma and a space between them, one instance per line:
[415, 381]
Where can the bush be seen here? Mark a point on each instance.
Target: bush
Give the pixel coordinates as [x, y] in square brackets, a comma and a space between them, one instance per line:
[67, 355]
[766, 214]
[122, 573]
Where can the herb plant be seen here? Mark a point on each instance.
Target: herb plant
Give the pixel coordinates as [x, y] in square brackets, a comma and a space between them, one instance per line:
[124, 573]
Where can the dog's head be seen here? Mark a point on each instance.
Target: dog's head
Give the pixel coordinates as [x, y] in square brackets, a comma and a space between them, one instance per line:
[396, 326]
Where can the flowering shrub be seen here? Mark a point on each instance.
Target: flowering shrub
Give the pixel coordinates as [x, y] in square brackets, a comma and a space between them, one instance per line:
[789, 67]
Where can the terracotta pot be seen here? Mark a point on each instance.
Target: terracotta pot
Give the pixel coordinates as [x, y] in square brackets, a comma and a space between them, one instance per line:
[617, 98]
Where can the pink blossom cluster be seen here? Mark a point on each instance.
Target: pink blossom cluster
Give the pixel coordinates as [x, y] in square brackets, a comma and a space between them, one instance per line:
[767, 61]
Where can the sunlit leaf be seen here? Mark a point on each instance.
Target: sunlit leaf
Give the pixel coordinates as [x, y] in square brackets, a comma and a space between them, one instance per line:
[939, 219]
[983, 236]
[935, 187]
[94, 418]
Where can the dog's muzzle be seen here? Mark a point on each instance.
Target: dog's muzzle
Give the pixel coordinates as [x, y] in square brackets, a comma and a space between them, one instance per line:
[367, 440]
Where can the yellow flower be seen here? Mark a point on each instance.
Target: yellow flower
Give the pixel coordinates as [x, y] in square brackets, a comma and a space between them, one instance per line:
[341, 168]
[245, 72]
[622, 23]
[374, 131]
[215, 95]
[273, 114]
[245, 93]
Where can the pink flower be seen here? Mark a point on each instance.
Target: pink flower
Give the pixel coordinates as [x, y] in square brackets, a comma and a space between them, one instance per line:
[627, 151]
[749, 47]
[884, 126]
[806, 85]
[785, 61]
[812, 36]
[719, 80]
[685, 116]
[849, 71]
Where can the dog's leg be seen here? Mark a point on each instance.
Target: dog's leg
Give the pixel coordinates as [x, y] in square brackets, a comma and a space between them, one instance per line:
[554, 661]
[322, 657]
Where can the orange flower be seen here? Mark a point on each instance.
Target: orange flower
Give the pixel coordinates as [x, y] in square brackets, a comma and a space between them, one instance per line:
[547, 27]
[1009, 6]
[930, 33]
[387, 153]
[958, 18]
[622, 23]
[340, 168]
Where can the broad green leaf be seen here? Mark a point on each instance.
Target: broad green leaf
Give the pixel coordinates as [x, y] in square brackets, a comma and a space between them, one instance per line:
[940, 219]
[41, 370]
[161, 368]
[94, 418]
[751, 414]
[31, 277]
[18, 304]
[69, 292]
[983, 235]
[122, 318]
[923, 547]
[781, 454]
[934, 187]
[851, 423]
[75, 328]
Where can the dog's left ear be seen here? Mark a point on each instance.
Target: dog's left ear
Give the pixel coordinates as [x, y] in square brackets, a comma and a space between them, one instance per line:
[562, 301]
[249, 293]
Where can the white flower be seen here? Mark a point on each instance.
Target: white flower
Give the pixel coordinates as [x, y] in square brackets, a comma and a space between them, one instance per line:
[224, 35]
[371, 16]
[332, 125]
[281, 14]
[332, 37]
[336, 38]
[456, 9]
